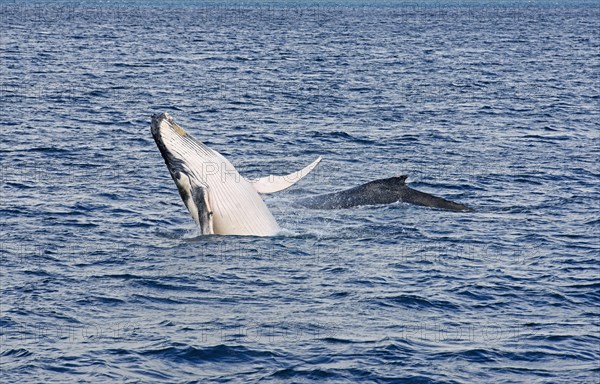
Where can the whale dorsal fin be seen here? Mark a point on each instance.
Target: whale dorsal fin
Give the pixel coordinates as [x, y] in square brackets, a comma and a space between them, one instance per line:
[271, 183]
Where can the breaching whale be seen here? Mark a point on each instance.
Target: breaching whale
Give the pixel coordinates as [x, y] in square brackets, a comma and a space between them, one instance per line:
[221, 201]
[382, 191]
[218, 198]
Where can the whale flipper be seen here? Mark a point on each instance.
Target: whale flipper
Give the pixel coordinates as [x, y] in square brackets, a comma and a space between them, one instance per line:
[271, 183]
[195, 198]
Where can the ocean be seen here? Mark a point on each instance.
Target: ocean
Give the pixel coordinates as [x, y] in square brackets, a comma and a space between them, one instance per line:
[106, 278]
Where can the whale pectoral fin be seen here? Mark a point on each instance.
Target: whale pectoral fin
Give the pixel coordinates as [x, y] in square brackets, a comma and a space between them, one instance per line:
[271, 183]
[204, 216]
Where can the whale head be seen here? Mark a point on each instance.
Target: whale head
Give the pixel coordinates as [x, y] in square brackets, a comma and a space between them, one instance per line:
[182, 155]
[172, 143]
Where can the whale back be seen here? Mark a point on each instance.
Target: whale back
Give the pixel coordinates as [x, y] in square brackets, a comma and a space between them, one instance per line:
[380, 191]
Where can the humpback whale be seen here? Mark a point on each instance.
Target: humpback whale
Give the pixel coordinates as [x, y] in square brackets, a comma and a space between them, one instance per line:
[221, 201]
[382, 191]
[218, 198]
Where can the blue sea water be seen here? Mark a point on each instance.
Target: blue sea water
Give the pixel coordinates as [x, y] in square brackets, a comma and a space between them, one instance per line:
[104, 277]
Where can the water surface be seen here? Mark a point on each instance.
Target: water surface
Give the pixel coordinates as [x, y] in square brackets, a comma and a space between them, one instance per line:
[105, 278]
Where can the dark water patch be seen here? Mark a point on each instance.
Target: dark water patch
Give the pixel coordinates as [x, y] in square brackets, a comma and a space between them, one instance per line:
[163, 286]
[16, 353]
[416, 302]
[304, 374]
[476, 355]
[125, 276]
[222, 353]
[101, 300]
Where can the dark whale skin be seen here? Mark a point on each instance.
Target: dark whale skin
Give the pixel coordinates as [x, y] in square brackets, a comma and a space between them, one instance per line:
[381, 191]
